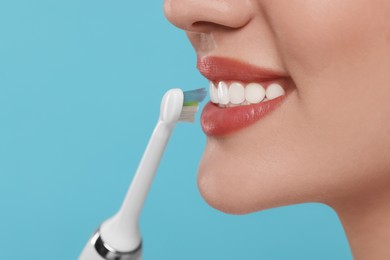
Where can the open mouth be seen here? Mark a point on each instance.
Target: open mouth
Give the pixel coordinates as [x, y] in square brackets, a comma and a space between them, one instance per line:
[240, 94]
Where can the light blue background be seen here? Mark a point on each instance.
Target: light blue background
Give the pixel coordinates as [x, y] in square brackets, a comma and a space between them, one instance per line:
[80, 87]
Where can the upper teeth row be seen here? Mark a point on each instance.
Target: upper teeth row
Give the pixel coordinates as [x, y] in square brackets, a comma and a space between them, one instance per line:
[235, 93]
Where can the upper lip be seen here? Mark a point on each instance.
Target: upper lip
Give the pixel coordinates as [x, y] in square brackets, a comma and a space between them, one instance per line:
[221, 68]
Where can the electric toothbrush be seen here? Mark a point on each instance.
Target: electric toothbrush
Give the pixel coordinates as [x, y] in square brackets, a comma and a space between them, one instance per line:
[119, 238]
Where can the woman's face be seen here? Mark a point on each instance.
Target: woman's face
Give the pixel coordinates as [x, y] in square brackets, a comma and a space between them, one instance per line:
[328, 138]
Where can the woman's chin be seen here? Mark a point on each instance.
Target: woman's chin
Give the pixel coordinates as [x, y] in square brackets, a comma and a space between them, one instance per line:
[216, 195]
[237, 179]
[228, 187]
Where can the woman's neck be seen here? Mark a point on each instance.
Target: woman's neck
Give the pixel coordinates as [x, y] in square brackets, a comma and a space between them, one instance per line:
[366, 221]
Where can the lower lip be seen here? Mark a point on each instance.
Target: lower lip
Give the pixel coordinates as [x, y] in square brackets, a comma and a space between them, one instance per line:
[218, 121]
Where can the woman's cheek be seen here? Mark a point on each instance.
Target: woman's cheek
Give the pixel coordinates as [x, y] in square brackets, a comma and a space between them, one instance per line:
[315, 36]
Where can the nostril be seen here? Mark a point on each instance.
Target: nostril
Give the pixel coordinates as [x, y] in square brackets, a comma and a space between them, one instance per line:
[204, 26]
[201, 24]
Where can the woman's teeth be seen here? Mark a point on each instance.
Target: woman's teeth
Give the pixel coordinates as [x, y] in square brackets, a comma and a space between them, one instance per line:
[237, 94]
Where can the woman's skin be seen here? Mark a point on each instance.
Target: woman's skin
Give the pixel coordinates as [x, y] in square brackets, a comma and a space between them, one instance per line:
[329, 141]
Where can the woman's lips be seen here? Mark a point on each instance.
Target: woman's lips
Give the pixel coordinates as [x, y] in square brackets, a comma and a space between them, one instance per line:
[219, 68]
[219, 121]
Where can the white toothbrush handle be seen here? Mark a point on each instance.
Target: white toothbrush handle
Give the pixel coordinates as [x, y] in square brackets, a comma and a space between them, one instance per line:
[122, 230]
[118, 237]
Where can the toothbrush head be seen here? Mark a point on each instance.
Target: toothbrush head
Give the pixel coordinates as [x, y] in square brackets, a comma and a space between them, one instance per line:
[181, 106]
[191, 102]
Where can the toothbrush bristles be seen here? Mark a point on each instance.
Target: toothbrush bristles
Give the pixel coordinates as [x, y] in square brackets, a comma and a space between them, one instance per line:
[194, 96]
[191, 102]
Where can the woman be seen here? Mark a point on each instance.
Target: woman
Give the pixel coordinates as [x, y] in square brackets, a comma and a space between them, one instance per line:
[301, 108]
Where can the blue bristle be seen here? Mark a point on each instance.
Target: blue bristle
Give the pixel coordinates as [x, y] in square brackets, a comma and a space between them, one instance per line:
[194, 96]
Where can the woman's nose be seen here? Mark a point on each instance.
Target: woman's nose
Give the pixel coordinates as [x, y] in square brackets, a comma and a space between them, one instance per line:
[205, 15]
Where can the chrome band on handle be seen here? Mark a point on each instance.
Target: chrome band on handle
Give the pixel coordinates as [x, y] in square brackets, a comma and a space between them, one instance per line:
[108, 253]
